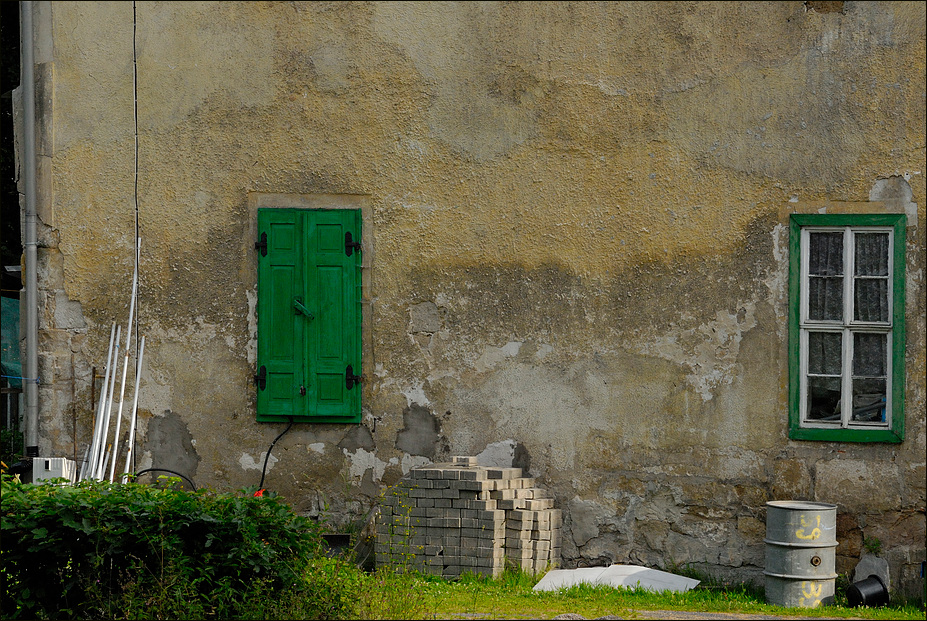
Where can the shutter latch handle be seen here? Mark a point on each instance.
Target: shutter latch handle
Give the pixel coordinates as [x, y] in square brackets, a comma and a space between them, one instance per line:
[298, 305]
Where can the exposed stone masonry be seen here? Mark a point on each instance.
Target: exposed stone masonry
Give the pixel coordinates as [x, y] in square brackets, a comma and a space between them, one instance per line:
[453, 518]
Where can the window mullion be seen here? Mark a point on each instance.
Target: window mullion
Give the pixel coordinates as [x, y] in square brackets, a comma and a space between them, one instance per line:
[849, 282]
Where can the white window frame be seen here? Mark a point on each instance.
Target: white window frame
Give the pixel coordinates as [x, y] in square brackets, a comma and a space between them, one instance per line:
[847, 327]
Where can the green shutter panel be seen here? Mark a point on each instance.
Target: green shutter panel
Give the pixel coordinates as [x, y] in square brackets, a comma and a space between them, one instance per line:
[281, 358]
[309, 315]
[335, 336]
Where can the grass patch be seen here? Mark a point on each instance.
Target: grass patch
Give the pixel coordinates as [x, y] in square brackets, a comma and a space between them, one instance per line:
[512, 597]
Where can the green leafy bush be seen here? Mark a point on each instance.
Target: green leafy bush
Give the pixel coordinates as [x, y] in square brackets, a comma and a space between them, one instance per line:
[133, 551]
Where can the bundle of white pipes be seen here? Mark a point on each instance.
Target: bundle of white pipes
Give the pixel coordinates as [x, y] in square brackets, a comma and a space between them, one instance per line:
[100, 458]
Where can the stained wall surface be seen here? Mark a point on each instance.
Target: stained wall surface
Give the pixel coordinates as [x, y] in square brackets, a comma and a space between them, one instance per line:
[575, 251]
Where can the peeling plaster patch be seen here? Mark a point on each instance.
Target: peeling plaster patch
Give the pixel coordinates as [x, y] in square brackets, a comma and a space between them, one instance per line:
[498, 454]
[318, 447]
[198, 334]
[492, 356]
[437, 375]
[68, 314]
[543, 350]
[251, 348]
[710, 350]
[411, 461]
[778, 281]
[415, 395]
[362, 461]
[248, 463]
[896, 192]
[425, 317]
[420, 432]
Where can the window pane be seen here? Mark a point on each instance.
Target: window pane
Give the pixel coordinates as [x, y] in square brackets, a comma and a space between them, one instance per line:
[825, 298]
[824, 399]
[869, 400]
[870, 355]
[871, 254]
[825, 254]
[870, 300]
[825, 353]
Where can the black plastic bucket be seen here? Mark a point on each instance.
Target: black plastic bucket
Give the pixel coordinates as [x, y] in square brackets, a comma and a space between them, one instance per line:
[868, 592]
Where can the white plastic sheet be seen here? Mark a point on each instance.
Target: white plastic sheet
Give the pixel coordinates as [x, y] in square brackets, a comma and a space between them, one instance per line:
[629, 576]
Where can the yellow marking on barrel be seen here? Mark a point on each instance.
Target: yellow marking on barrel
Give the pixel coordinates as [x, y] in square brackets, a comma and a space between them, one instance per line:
[812, 592]
[800, 533]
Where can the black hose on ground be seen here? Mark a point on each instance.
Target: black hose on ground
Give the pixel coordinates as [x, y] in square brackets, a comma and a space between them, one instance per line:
[141, 472]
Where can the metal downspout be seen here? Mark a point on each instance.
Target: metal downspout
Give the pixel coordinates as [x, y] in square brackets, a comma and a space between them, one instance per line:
[31, 367]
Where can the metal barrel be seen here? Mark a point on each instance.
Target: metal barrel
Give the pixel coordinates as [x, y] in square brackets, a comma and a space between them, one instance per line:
[801, 539]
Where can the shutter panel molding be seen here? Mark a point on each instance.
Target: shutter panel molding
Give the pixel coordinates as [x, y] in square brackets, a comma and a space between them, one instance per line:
[309, 315]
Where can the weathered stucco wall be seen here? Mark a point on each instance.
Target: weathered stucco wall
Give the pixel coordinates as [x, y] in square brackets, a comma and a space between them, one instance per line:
[575, 254]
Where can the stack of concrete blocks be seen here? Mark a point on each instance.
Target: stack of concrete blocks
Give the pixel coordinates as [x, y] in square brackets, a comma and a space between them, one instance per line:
[454, 518]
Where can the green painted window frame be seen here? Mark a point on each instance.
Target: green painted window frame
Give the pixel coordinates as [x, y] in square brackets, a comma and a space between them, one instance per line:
[897, 223]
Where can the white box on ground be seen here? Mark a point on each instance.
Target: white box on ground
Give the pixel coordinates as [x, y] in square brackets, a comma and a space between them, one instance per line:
[44, 468]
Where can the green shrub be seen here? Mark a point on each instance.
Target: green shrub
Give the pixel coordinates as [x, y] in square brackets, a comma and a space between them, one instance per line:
[133, 551]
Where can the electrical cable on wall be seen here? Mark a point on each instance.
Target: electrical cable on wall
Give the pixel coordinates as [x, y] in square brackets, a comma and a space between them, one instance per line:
[131, 448]
[266, 457]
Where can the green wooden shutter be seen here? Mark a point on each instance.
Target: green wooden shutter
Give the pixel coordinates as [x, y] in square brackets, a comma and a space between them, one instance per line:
[309, 315]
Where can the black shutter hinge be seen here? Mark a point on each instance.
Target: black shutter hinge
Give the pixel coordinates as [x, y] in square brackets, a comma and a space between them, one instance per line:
[261, 378]
[350, 245]
[350, 379]
[262, 245]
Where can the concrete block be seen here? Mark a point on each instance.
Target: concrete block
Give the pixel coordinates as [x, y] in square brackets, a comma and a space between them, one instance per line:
[446, 503]
[477, 474]
[464, 460]
[473, 486]
[503, 473]
[522, 515]
[539, 504]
